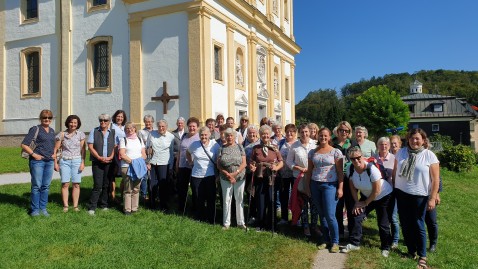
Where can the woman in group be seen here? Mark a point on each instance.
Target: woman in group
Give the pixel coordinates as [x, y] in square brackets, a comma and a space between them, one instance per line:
[249, 143]
[161, 165]
[219, 121]
[326, 175]
[118, 120]
[342, 142]
[133, 167]
[376, 194]
[277, 138]
[297, 160]
[387, 159]
[266, 160]
[102, 156]
[416, 177]
[148, 121]
[368, 147]
[286, 174]
[40, 162]
[395, 144]
[72, 161]
[203, 154]
[183, 167]
[231, 163]
[314, 131]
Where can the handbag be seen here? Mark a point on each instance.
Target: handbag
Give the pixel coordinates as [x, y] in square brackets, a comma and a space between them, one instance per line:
[32, 145]
[301, 184]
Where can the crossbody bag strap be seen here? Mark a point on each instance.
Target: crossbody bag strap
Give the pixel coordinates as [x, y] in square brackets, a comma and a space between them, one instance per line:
[209, 156]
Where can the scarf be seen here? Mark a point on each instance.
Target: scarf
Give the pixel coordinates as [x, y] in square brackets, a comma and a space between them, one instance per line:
[265, 147]
[408, 166]
[132, 136]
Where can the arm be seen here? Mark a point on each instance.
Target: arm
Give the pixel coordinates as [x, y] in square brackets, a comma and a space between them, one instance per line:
[95, 154]
[124, 157]
[308, 176]
[435, 180]
[55, 160]
[339, 167]
[35, 156]
[393, 173]
[83, 154]
[143, 153]
[189, 158]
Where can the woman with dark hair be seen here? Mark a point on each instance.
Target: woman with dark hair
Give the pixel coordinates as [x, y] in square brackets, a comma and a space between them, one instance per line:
[40, 162]
[219, 121]
[416, 179]
[72, 160]
[118, 120]
[326, 177]
[286, 175]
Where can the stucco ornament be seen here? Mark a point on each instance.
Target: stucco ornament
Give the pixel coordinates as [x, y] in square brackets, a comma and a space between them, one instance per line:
[239, 76]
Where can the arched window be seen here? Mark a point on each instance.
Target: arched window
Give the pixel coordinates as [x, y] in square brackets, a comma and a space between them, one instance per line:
[31, 72]
[99, 64]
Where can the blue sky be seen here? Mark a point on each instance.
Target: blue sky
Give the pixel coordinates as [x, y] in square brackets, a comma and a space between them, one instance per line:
[345, 41]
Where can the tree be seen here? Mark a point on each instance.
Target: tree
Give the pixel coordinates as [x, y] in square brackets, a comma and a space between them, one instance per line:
[379, 108]
[322, 107]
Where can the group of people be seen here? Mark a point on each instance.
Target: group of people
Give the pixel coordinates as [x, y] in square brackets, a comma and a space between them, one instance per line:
[306, 170]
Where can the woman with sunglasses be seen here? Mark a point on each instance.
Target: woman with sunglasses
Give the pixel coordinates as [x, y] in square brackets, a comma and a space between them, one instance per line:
[40, 162]
[376, 193]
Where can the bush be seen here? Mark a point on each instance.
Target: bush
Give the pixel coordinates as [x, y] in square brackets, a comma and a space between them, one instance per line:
[445, 140]
[457, 158]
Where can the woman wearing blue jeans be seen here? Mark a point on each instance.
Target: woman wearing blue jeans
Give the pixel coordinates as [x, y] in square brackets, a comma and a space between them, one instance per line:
[326, 178]
[40, 162]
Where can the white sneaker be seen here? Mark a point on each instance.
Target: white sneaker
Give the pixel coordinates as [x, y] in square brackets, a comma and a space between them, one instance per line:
[385, 253]
[91, 212]
[349, 247]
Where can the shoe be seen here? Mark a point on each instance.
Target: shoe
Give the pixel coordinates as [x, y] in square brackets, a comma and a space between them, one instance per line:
[35, 214]
[243, 227]
[394, 246]
[76, 209]
[349, 247]
[65, 209]
[91, 212]
[322, 246]
[307, 231]
[422, 263]
[433, 248]
[45, 213]
[385, 253]
[282, 222]
[317, 231]
[134, 211]
[127, 213]
[259, 229]
[335, 248]
[224, 228]
[105, 209]
[251, 221]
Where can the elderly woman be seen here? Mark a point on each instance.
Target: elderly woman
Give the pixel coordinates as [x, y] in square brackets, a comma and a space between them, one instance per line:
[72, 161]
[118, 124]
[232, 166]
[101, 144]
[376, 194]
[183, 167]
[297, 160]
[40, 162]
[266, 160]
[342, 142]
[161, 165]
[416, 178]
[387, 159]
[249, 143]
[277, 138]
[133, 167]
[211, 124]
[395, 144]
[326, 175]
[368, 147]
[203, 154]
[148, 121]
[314, 131]
[219, 121]
[243, 124]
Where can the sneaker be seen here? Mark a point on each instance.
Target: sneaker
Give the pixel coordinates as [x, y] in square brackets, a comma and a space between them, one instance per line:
[307, 231]
[105, 209]
[251, 221]
[322, 246]
[127, 213]
[224, 228]
[385, 253]
[335, 248]
[349, 247]
[91, 212]
[433, 248]
[394, 246]
[35, 214]
[282, 222]
[45, 213]
[243, 227]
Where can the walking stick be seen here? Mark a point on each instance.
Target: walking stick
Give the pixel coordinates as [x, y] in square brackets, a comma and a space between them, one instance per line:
[186, 199]
[250, 199]
[273, 207]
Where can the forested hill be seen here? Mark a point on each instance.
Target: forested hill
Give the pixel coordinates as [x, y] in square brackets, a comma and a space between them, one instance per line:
[444, 82]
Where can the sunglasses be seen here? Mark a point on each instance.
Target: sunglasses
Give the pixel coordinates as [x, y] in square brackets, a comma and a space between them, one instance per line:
[102, 120]
[355, 158]
[47, 118]
[344, 131]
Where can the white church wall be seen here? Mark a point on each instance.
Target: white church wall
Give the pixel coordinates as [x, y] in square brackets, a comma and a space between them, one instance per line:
[227, 13]
[287, 28]
[220, 90]
[261, 6]
[152, 4]
[286, 112]
[21, 114]
[18, 31]
[165, 58]
[85, 26]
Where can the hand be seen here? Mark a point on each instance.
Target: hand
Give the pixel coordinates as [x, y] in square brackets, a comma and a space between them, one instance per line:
[37, 157]
[438, 200]
[340, 193]
[359, 207]
[431, 204]
[56, 167]
[252, 166]
[304, 170]
[82, 166]
[148, 165]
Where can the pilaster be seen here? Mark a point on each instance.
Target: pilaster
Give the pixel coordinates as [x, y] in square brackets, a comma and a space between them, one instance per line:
[2, 65]
[135, 70]
[231, 84]
[292, 92]
[66, 96]
[270, 82]
[252, 69]
[282, 91]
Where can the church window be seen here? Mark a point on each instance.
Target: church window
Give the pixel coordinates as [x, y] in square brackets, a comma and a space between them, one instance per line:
[95, 5]
[31, 72]
[218, 62]
[99, 2]
[99, 64]
[29, 11]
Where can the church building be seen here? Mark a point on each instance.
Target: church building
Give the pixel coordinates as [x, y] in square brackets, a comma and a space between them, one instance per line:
[166, 58]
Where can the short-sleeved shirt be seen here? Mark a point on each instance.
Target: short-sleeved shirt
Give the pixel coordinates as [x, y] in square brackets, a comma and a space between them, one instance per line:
[420, 182]
[186, 141]
[45, 142]
[202, 165]
[324, 165]
[368, 148]
[163, 148]
[119, 132]
[299, 155]
[285, 171]
[248, 150]
[230, 158]
[363, 182]
[133, 149]
[70, 143]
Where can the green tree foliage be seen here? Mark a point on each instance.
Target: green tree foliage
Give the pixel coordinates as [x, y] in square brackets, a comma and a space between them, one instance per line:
[445, 140]
[322, 107]
[379, 108]
[457, 158]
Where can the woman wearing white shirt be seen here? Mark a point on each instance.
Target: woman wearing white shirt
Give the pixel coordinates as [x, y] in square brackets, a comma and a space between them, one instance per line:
[376, 194]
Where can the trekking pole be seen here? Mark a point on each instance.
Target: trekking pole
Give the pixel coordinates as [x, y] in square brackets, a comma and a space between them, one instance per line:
[186, 199]
[273, 207]
[250, 199]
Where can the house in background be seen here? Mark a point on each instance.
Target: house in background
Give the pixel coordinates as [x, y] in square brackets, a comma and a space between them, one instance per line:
[444, 115]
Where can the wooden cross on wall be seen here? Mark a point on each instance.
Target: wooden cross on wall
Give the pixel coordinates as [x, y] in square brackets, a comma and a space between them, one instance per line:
[165, 97]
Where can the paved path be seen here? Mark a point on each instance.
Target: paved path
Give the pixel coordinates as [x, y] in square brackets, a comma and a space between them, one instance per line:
[25, 177]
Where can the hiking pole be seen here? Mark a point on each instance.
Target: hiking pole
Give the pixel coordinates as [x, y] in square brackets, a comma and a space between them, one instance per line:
[250, 199]
[273, 207]
[186, 199]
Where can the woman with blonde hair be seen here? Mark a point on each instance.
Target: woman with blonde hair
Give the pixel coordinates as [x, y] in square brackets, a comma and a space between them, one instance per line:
[314, 131]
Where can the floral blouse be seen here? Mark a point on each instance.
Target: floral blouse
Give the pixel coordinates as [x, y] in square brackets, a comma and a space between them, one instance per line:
[324, 165]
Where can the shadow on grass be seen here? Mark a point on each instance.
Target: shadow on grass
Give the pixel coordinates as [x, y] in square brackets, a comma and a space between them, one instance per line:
[22, 201]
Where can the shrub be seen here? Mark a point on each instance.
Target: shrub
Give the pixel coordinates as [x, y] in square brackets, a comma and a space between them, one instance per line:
[457, 158]
[445, 140]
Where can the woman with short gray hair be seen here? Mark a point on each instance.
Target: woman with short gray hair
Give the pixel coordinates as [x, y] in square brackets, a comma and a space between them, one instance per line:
[368, 147]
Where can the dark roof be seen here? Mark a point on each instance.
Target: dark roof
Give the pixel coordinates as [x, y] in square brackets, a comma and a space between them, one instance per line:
[423, 106]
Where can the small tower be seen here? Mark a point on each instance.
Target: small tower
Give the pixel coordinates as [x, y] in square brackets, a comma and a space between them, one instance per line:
[416, 87]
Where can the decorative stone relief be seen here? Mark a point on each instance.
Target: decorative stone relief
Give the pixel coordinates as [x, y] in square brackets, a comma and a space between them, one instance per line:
[239, 74]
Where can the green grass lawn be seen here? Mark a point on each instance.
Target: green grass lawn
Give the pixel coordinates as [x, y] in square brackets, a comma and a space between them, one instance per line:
[144, 240]
[457, 236]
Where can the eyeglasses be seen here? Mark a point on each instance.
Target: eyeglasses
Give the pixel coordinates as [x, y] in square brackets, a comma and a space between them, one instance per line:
[245, 120]
[355, 158]
[103, 120]
[344, 131]
[47, 118]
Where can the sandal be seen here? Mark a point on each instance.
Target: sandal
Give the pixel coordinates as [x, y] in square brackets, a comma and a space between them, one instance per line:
[76, 209]
[65, 209]
[422, 263]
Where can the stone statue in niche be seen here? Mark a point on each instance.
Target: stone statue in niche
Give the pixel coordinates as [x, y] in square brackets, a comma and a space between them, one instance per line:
[239, 76]
[276, 86]
[261, 68]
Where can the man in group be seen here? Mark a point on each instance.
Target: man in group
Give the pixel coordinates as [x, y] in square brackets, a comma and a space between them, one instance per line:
[178, 135]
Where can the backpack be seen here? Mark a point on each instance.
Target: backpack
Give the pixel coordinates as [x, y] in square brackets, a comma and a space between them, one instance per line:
[371, 161]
